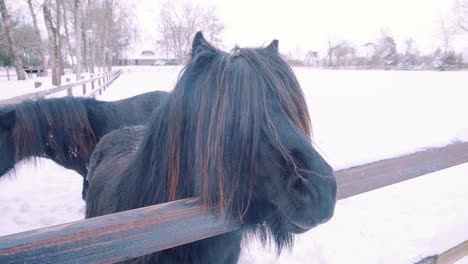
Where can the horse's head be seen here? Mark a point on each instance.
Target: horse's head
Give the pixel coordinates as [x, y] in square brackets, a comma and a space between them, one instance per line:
[7, 148]
[56, 128]
[239, 121]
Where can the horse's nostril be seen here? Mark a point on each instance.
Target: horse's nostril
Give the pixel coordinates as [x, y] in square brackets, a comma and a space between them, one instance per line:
[300, 190]
[298, 185]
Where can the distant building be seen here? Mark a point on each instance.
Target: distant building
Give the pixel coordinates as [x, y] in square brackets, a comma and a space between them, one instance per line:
[144, 57]
[312, 58]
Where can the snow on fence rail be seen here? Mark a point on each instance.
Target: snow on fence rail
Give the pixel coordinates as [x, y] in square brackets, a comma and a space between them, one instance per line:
[103, 81]
[121, 236]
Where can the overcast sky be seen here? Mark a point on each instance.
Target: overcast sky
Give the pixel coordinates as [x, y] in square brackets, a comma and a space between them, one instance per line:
[302, 25]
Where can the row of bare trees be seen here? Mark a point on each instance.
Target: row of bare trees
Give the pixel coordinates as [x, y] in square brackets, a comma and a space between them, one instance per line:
[383, 51]
[80, 34]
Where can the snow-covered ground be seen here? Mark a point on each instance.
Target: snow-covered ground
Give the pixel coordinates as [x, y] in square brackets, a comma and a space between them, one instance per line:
[358, 117]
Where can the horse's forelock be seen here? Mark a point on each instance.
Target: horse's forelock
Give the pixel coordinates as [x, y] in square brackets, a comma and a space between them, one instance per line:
[227, 97]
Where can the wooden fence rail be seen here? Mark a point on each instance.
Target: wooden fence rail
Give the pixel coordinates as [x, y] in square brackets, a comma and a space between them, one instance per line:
[450, 256]
[103, 81]
[120, 236]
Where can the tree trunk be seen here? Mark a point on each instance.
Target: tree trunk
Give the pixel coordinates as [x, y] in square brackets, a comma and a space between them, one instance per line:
[59, 38]
[11, 43]
[88, 46]
[84, 41]
[67, 35]
[53, 46]
[38, 36]
[78, 39]
[108, 54]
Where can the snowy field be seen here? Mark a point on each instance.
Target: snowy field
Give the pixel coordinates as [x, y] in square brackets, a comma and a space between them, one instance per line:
[358, 117]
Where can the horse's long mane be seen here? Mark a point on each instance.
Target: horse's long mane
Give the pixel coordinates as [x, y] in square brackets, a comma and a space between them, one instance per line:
[63, 121]
[205, 139]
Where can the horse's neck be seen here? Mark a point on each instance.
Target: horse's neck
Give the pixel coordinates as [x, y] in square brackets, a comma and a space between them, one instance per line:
[115, 115]
[101, 116]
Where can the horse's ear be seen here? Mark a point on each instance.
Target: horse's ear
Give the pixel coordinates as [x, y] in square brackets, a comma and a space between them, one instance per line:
[273, 47]
[199, 44]
[8, 119]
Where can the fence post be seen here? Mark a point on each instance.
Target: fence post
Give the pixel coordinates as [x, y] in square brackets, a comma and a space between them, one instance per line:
[7, 73]
[106, 79]
[69, 90]
[84, 88]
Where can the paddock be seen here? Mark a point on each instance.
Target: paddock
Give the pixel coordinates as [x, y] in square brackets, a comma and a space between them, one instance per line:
[320, 138]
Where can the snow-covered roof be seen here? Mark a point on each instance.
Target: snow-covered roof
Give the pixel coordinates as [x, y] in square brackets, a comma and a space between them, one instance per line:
[142, 51]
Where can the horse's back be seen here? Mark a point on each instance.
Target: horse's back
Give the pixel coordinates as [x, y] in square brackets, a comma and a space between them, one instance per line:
[138, 109]
[109, 160]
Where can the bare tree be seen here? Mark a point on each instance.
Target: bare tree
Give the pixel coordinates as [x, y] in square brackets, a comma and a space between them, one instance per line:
[179, 24]
[67, 35]
[11, 43]
[331, 50]
[38, 36]
[386, 53]
[111, 23]
[78, 39]
[447, 31]
[84, 42]
[58, 26]
[211, 25]
[53, 34]
[410, 56]
[344, 53]
[461, 14]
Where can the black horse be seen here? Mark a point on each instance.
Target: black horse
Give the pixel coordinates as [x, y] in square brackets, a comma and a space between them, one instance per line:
[67, 129]
[236, 132]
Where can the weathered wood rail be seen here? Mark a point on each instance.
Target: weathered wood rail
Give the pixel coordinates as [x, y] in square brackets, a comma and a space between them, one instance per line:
[115, 237]
[118, 237]
[374, 175]
[96, 84]
[449, 256]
